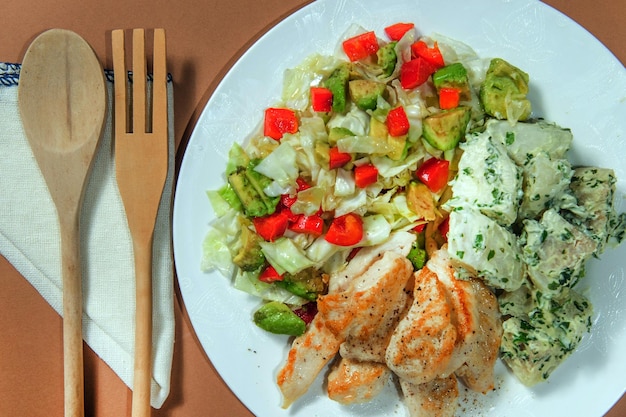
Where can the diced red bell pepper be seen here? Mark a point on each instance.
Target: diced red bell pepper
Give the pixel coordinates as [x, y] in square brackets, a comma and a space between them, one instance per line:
[397, 122]
[419, 228]
[346, 230]
[272, 226]
[302, 184]
[287, 200]
[449, 98]
[397, 30]
[337, 158]
[431, 54]
[444, 228]
[415, 72]
[312, 225]
[361, 46]
[365, 175]
[270, 274]
[307, 312]
[321, 99]
[434, 173]
[279, 121]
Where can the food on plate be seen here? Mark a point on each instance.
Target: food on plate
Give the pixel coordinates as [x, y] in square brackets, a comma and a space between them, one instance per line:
[404, 217]
[436, 398]
[423, 343]
[503, 92]
[352, 382]
[365, 296]
[276, 317]
[452, 329]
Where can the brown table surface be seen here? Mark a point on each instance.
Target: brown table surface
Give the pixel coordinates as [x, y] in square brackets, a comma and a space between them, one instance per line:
[204, 40]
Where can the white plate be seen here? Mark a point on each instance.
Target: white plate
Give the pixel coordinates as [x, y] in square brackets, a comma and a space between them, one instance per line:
[575, 82]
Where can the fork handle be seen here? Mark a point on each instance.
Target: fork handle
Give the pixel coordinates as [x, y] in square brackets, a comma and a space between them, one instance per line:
[143, 329]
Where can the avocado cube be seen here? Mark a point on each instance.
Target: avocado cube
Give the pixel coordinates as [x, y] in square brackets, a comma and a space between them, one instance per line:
[250, 257]
[417, 256]
[387, 58]
[365, 93]
[397, 145]
[503, 93]
[453, 76]
[253, 204]
[378, 129]
[276, 317]
[248, 185]
[336, 133]
[444, 130]
[337, 82]
[307, 284]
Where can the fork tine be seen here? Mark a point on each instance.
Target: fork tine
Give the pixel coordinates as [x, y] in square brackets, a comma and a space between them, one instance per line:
[139, 82]
[159, 83]
[119, 71]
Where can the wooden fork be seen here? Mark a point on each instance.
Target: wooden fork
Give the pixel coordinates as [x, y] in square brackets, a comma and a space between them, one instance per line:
[141, 158]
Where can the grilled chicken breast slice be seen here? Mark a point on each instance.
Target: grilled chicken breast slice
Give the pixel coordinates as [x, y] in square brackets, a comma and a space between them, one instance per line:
[477, 373]
[462, 299]
[422, 345]
[371, 347]
[308, 355]
[355, 305]
[353, 382]
[437, 398]
[359, 310]
[399, 242]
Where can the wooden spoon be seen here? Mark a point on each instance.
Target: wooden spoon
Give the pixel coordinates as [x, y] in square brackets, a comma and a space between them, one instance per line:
[62, 102]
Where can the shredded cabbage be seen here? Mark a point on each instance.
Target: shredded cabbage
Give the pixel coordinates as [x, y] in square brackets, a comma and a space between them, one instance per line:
[280, 165]
[249, 282]
[216, 253]
[297, 81]
[376, 230]
[356, 121]
[285, 256]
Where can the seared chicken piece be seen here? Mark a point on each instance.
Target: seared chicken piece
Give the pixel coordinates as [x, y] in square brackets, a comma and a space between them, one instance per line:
[453, 326]
[371, 348]
[462, 299]
[477, 321]
[352, 382]
[422, 345]
[477, 371]
[308, 355]
[399, 242]
[371, 345]
[437, 398]
[361, 307]
[373, 281]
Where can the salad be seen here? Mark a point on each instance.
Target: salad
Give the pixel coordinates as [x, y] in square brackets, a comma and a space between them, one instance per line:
[400, 133]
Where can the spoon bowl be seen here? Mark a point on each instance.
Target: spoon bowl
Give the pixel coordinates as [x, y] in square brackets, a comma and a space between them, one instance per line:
[62, 103]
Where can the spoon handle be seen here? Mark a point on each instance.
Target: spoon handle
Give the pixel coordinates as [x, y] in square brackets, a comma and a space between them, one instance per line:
[72, 316]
